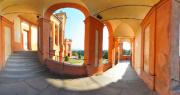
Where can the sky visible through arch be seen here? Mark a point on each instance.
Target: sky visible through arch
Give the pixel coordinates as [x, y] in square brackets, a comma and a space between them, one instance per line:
[75, 28]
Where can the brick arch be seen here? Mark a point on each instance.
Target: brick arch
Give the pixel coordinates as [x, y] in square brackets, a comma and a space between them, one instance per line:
[55, 7]
[45, 24]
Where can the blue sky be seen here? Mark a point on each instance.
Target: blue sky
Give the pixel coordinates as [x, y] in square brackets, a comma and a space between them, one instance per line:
[75, 28]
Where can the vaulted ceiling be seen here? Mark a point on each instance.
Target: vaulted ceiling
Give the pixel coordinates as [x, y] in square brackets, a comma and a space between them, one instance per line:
[116, 12]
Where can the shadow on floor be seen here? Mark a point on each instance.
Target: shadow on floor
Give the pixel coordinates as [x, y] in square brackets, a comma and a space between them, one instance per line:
[120, 80]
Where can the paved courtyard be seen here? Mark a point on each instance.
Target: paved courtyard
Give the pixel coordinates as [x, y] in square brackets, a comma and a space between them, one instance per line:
[120, 80]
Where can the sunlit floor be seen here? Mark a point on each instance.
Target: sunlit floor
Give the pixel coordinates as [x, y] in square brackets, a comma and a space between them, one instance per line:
[120, 80]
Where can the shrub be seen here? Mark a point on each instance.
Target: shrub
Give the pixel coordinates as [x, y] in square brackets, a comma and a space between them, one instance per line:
[126, 52]
[105, 54]
[79, 56]
[66, 58]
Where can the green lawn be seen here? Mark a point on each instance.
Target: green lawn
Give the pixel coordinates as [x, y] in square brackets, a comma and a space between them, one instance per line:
[81, 61]
[105, 61]
[75, 61]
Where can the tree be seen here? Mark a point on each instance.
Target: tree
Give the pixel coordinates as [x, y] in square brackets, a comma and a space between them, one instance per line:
[126, 52]
[66, 58]
[105, 54]
[79, 56]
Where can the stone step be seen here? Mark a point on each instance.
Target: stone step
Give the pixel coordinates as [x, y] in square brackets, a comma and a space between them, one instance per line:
[22, 72]
[25, 52]
[24, 69]
[22, 64]
[23, 57]
[20, 75]
[22, 60]
[20, 54]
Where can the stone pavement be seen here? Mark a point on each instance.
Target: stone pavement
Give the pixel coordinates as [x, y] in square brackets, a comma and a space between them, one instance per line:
[120, 80]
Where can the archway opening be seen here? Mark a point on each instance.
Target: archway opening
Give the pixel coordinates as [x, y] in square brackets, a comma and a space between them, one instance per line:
[126, 51]
[29, 36]
[67, 36]
[105, 45]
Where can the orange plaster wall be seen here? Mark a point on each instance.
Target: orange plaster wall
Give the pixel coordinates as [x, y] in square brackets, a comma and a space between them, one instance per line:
[92, 25]
[138, 52]
[149, 21]
[123, 57]
[4, 23]
[158, 18]
[44, 32]
[19, 46]
[162, 78]
[65, 69]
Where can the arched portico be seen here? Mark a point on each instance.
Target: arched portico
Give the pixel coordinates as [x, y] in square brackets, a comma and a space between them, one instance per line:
[155, 40]
[45, 26]
[92, 41]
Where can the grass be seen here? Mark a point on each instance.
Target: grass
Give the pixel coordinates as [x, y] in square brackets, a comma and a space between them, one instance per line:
[75, 61]
[81, 61]
[105, 61]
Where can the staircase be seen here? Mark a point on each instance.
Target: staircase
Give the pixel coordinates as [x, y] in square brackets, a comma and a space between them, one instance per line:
[23, 64]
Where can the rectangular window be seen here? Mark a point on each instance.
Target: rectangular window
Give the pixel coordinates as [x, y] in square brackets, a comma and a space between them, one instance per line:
[146, 48]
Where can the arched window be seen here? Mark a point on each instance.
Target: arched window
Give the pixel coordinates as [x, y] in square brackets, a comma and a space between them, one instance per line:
[105, 44]
[126, 48]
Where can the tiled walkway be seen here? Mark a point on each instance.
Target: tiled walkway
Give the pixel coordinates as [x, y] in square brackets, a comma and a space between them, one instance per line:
[120, 80]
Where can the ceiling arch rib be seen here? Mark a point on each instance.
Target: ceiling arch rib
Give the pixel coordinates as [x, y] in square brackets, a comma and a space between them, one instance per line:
[121, 19]
[110, 8]
[128, 12]
[123, 30]
[133, 24]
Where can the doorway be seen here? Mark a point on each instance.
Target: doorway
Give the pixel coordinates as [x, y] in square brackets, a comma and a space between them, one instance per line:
[25, 40]
[7, 32]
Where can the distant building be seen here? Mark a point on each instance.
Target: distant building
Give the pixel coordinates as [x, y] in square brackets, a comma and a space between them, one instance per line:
[59, 47]
[67, 47]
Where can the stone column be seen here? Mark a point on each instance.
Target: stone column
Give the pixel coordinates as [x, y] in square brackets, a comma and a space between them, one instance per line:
[110, 51]
[120, 50]
[118, 53]
[29, 37]
[93, 45]
[44, 35]
[132, 41]
[61, 42]
[116, 50]
[113, 54]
